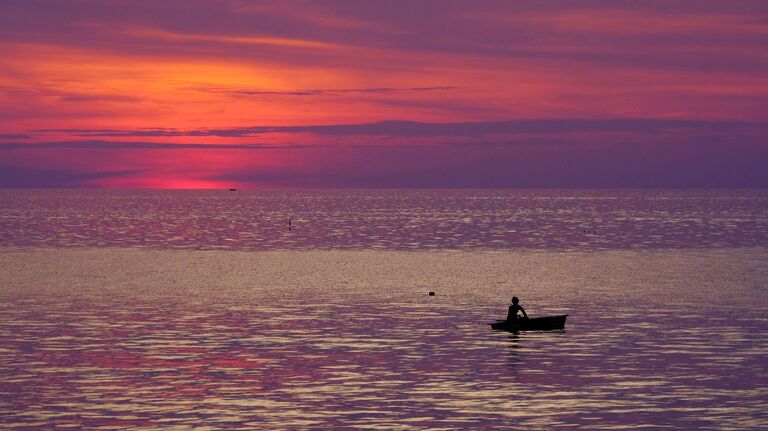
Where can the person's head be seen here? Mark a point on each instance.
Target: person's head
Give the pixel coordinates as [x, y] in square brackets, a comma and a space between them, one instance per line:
[515, 300]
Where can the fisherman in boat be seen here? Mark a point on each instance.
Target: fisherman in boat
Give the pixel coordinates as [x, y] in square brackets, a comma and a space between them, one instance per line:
[516, 323]
[514, 309]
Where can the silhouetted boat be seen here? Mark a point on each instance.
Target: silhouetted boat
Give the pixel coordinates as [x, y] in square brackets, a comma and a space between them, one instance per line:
[532, 324]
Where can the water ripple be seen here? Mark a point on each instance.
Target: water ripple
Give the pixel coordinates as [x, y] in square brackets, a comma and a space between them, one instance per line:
[385, 219]
[370, 357]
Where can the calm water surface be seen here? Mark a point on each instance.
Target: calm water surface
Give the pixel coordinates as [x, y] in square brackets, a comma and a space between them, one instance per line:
[396, 219]
[667, 325]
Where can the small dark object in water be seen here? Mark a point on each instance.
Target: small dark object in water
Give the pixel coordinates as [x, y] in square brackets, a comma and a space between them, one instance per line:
[431, 293]
[232, 190]
[533, 324]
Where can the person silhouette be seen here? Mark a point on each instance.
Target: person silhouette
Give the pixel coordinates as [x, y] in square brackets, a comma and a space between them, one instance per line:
[514, 309]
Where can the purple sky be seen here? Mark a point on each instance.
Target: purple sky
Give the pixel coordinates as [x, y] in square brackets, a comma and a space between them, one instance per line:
[190, 93]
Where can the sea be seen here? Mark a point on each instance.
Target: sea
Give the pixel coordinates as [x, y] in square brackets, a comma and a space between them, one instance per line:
[310, 309]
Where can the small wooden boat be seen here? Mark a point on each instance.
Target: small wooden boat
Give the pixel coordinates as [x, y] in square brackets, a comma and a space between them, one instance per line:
[533, 324]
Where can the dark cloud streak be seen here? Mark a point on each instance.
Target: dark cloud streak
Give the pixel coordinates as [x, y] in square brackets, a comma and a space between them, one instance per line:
[473, 129]
[119, 145]
[27, 177]
[651, 164]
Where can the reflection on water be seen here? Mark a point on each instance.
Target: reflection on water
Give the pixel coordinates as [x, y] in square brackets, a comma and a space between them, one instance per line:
[95, 368]
[631, 356]
[401, 219]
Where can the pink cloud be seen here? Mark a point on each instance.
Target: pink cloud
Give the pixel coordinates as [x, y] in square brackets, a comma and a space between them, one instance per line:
[445, 86]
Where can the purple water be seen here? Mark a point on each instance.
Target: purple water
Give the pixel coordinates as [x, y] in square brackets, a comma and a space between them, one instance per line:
[106, 325]
[396, 220]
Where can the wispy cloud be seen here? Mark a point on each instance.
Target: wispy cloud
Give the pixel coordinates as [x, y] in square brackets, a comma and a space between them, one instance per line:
[121, 145]
[333, 92]
[21, 176]
[574, 163]
[400, 128]
[245, 39]
[476, 90]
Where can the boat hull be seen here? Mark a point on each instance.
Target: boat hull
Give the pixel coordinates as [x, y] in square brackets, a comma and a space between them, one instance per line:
[535, 324]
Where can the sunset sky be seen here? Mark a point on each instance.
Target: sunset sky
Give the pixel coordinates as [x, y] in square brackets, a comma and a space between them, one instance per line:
[251, 94]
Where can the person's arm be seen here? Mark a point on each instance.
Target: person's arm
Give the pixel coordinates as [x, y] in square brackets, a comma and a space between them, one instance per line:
[523, 310]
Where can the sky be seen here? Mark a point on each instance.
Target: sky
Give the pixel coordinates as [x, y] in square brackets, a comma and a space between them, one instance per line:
[426, 93]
